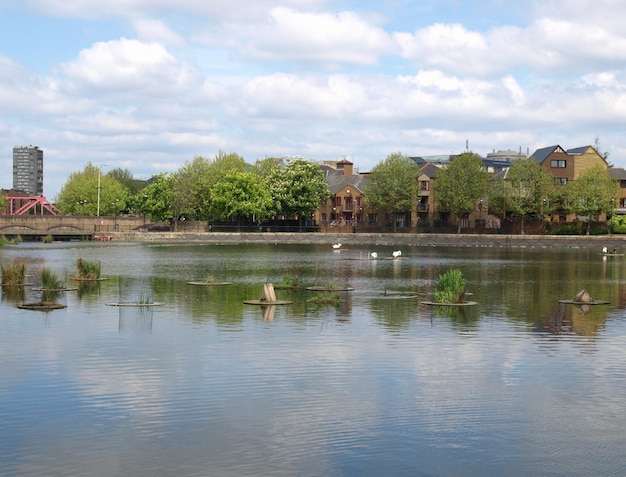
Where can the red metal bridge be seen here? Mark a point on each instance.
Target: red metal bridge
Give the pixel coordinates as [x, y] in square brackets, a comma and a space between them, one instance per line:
[30, 205]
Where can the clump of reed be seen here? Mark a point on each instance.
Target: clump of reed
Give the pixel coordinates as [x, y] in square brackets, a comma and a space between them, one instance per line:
[50, 280]
[14, 274]
[48, 239]
[291, 281]
[325, 297]
[451, 287]
[87, 270]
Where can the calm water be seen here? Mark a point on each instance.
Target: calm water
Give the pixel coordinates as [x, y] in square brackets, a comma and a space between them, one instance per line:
[205, 385]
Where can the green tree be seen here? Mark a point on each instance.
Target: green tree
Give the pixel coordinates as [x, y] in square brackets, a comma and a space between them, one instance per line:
[79, 194]
[593, 193]
[241, 195]
[525, 189]
[3, 202]
[195, 179]
[156, 197]
[460, 185]
[392, 186]
[266, 167]
[298, 190]
[125, 177]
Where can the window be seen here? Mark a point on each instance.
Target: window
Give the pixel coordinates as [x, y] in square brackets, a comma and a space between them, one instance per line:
[424, 185]
[560, 180]
[372, 218]
[557, 163]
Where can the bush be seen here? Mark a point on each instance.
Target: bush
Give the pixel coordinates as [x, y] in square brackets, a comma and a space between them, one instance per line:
[567, 229]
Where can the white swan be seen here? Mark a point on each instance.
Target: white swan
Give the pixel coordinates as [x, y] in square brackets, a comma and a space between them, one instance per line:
[336, 246]
[396, 254]
[374, 255]
[605, 250]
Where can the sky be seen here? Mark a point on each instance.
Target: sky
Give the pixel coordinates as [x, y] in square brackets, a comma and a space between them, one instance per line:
[147, 85]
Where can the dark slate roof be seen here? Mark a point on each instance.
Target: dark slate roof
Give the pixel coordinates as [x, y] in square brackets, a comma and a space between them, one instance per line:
[429, 170]
[337, 181]
[540, 154]
[617, 173]
[578, 150]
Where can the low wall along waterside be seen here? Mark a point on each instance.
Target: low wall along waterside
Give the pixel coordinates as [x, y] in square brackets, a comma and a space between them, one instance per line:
[409, 240]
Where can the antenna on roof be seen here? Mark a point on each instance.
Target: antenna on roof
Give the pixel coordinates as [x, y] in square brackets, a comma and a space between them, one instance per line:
[466, 145]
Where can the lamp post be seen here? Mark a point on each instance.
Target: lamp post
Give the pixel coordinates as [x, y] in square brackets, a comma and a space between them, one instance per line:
[82, 205]
[99, 174]
[115, 213]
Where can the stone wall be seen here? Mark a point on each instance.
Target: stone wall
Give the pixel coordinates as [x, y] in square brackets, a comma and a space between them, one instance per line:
[425, 240]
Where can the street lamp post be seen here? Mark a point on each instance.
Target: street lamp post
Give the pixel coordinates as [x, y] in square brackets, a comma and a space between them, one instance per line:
[115, 213]
[99, 174]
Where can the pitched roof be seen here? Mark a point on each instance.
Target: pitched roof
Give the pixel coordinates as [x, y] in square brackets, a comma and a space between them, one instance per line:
[429, 169]
[540, 155]
[618, 173]
[336, 180]
[579, 150]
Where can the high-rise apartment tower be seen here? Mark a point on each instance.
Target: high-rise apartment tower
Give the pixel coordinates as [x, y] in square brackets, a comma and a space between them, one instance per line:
[28, 170]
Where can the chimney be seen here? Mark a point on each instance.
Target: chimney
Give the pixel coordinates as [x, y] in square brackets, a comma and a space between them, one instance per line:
[346, 166]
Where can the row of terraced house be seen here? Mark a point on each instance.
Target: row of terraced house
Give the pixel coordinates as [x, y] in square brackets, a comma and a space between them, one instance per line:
[348, 211]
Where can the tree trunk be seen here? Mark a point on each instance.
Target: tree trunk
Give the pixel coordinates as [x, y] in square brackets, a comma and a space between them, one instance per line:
[522, 224]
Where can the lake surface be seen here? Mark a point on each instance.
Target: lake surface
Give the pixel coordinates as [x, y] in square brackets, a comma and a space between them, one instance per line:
[380, 384]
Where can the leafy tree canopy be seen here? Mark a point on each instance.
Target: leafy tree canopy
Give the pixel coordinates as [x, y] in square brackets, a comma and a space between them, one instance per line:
[241, 195]
[460, 185]
[79, 194]
[392, 184]
[524, 189]
[593, 193]
[299, 189]
[125, 177]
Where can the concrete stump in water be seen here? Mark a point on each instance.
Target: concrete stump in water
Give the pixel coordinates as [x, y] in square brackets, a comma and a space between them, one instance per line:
[583, 296]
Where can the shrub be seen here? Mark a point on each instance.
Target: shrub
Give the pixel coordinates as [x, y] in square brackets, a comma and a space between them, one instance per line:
[568, 229]
[451, 288]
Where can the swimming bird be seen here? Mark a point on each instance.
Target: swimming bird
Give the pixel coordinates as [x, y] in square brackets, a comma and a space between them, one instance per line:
[374, 255]
[396, 254]
[336, 246]
[605, 250]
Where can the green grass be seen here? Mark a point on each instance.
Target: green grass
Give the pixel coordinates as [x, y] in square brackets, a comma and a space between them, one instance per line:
[451, 287]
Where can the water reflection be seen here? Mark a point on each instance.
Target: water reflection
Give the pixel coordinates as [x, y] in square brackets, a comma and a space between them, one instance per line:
[376, 384]
[135, 318]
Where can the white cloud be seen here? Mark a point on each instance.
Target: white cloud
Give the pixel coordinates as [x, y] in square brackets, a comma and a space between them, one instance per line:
[157, 31]
[129, 65]
[325, 38]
